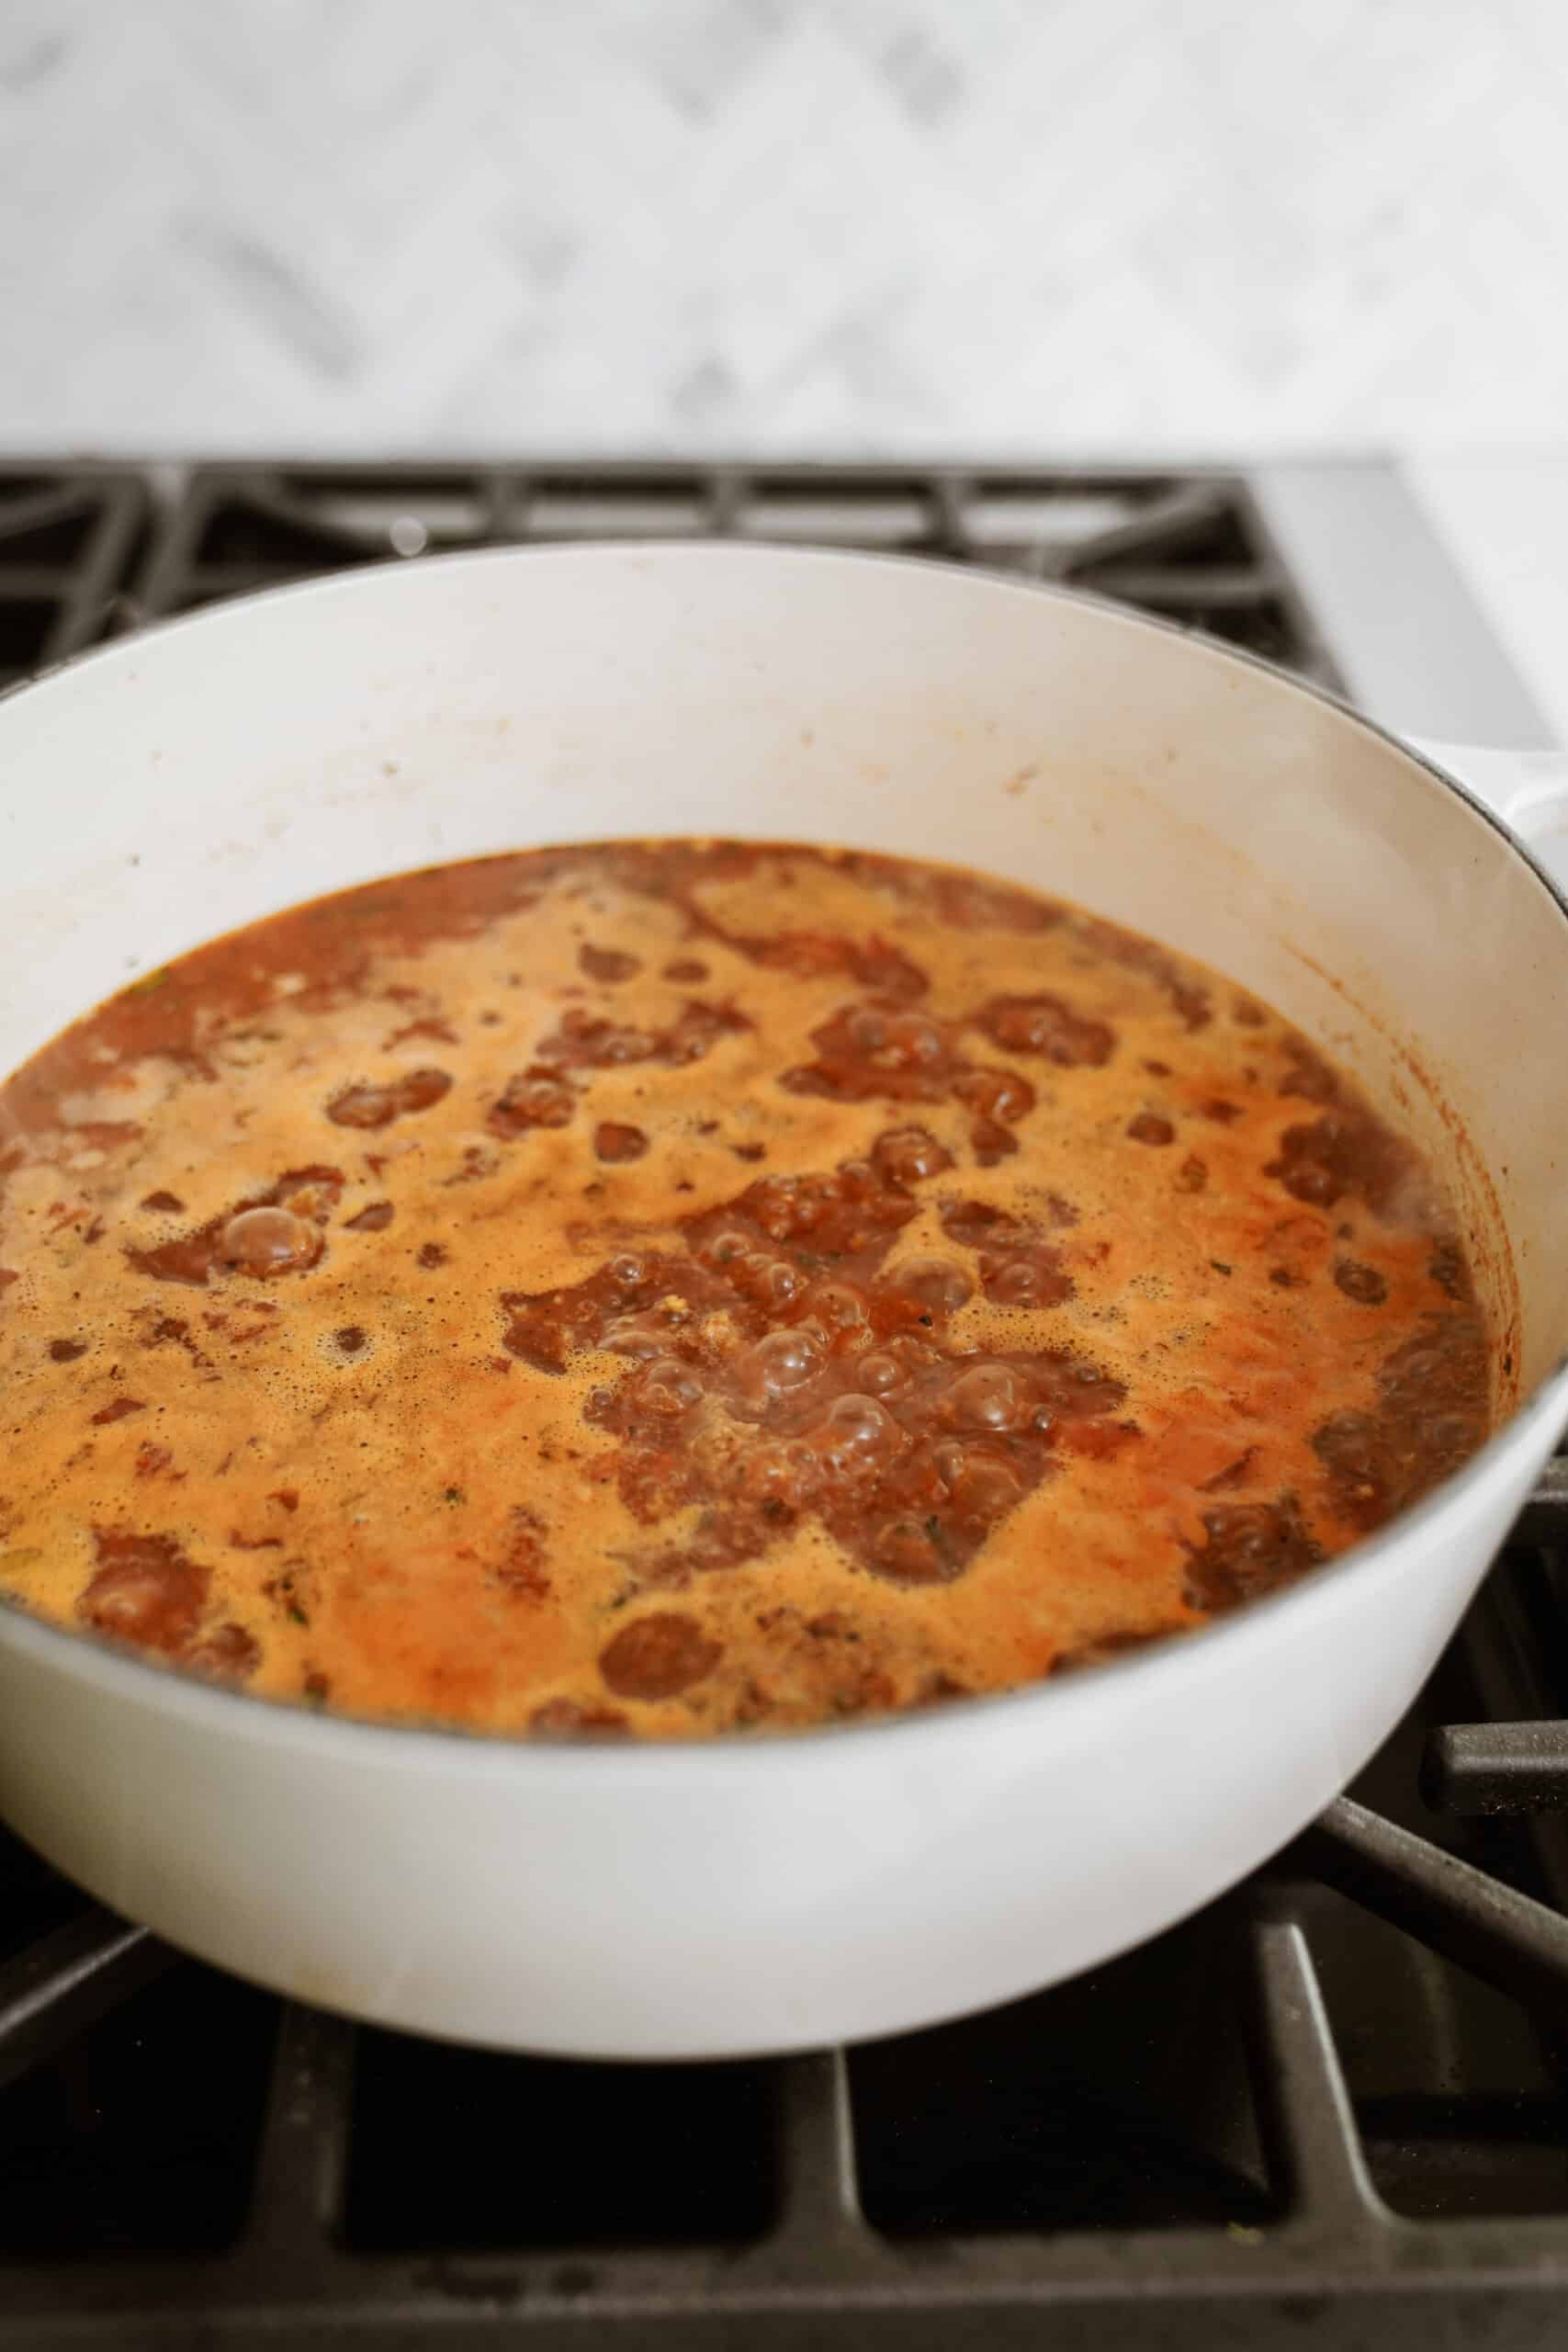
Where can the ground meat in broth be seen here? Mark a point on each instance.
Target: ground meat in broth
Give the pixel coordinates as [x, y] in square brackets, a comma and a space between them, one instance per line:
[661, 1289]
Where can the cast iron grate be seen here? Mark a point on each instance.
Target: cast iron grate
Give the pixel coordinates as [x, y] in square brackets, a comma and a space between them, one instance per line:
[1190, 546]
[1333, 2106]
[69, 537]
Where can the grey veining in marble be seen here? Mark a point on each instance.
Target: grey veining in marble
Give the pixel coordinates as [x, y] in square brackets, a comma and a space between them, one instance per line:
[849, 225]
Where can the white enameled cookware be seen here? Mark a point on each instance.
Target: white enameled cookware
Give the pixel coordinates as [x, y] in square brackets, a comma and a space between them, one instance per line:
[769, 1892]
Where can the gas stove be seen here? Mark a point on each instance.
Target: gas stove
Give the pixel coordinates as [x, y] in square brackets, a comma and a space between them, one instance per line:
[1330, 2109]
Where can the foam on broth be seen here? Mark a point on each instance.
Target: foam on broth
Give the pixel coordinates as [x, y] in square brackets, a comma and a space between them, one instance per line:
[674, 1288]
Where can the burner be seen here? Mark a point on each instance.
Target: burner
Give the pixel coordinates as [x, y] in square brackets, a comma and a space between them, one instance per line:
[1332, 2107]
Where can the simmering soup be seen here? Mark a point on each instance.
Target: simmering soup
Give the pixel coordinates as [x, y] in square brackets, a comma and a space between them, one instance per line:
[670, 1288]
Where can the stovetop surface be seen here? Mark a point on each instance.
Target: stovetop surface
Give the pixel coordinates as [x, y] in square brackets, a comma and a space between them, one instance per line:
[1331, 2106]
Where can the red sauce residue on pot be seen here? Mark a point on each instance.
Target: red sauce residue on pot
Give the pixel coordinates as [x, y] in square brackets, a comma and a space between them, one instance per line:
[670, 1288]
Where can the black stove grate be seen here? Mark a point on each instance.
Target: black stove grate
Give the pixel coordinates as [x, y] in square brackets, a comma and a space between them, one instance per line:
[1192, 547]
[1330, 2107]
[69, 538]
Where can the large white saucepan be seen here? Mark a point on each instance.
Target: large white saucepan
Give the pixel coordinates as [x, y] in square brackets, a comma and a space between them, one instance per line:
[769, 1892]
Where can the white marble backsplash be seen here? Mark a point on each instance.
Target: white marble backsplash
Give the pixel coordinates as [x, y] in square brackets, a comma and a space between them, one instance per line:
[376, 227]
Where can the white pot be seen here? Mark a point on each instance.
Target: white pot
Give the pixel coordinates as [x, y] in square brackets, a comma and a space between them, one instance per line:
[771, 1892]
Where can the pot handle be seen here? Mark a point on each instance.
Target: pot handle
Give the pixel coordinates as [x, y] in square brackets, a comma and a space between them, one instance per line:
[1528, 790]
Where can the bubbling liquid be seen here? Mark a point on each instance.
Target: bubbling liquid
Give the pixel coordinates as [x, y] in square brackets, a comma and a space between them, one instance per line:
[661, 1289]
